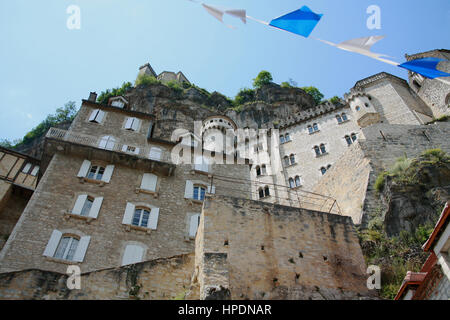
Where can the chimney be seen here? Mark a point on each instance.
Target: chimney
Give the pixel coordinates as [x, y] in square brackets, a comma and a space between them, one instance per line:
[92, 96]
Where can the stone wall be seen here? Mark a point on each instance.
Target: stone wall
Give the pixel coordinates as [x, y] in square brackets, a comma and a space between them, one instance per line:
[254, 250]
[160, 279]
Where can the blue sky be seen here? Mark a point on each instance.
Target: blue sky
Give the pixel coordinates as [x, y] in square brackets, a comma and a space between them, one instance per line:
[44, 64]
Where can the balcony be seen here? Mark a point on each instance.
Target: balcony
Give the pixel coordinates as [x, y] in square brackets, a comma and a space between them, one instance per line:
[91, 147]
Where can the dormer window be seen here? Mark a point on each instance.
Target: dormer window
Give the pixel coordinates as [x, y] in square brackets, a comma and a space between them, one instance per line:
[118, 102]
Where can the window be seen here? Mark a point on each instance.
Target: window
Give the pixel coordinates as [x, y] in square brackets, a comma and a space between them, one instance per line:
[282, 140]
[149, 182]
[292, 158]
[35, 171]
[107, 142]
[263, 169]
[27, 168]
[339, 118]
[315, 127]
[323, 149]
[130, 149]
[297, 181]
[349, 140]
[96, 116]
[132, 254]
[353, 137]
[447, 100]
[328, 167]
[258, 171]
[358, 108]
[266, 192]
[140, 218]
[286, 161]
[310, 129]
[155, 154]
[144, 217]
[323, 170]
[95, 171]
[344, 117]
[67, 246]
[132, 124]
[199, 193]
[291, 183]
[87, 206]
[287, 137]
[261, 193]
[317, 150]
[194, 222]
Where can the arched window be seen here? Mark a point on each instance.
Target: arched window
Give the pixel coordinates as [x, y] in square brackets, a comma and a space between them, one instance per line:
[107, 142]
[367, 105]
[358, 108]
[96, 172]
[447, 100]
[310, 129]
[291, 183]
[323, 149]
[315, 127]
[199, 192]
[344, 117]
[67, 247]
[297, 181]
[140, 217]
[292, 158]
[266, 191]
[339, 118]
[353, 137]
[286, 161]
[317, 150]
[323, 170]
[328, 167]
[258, 171]
[263, 169]
[261, 193]
[349, 140]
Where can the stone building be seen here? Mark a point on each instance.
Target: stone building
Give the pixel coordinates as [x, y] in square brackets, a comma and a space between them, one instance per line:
[123, 190]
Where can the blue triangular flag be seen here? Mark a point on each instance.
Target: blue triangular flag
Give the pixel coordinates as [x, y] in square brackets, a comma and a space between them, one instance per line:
[301, 22]
[425, 67]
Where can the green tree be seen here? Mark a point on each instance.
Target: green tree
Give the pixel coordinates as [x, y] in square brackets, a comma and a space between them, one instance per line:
[315, 93]
[105, 95]
[243, 96]
[263, 78]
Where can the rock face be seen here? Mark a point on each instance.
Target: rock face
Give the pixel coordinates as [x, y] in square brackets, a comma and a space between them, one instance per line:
[409, 206]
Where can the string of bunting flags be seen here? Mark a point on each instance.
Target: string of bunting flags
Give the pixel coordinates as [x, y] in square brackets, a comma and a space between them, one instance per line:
[303, 21]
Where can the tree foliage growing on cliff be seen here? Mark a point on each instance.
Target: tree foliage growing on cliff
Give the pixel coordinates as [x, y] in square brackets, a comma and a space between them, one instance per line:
[263, 78]
[109, 93]
[244, 95]
[63, 115]
[315, 93]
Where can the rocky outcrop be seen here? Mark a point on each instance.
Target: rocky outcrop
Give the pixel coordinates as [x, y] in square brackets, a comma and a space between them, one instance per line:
[410, 205]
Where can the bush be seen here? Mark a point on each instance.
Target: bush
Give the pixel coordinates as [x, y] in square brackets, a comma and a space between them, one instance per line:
[263, 78]
[244, 95]
[286, 84]
[175, 86]
[335, 100]
[379, 182]
[105, 95]
[145, 79]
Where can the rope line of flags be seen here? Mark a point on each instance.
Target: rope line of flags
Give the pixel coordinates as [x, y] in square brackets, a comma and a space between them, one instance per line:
[303, 21]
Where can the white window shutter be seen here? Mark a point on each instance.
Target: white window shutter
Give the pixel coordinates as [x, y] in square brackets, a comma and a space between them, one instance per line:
[129, 212]
[124, 148]
[93, 115]
[136, 151]
[81, 200]
[100, 116]
[155, 154]
[153, 220]
[198, 164]
[84, 168]
[95, 209]
[189, 189]
[103, 142]
[35, 171]
[133, 254]
[135, 125]
[149, 181]
[193, 225]
[27, 168]
[53, 243]
[83, 244]
[108, 173]
[129, 123]
[212, 189]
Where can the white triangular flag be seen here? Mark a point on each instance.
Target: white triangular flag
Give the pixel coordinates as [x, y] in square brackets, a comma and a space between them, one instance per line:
[216, 13]
[238, 13]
